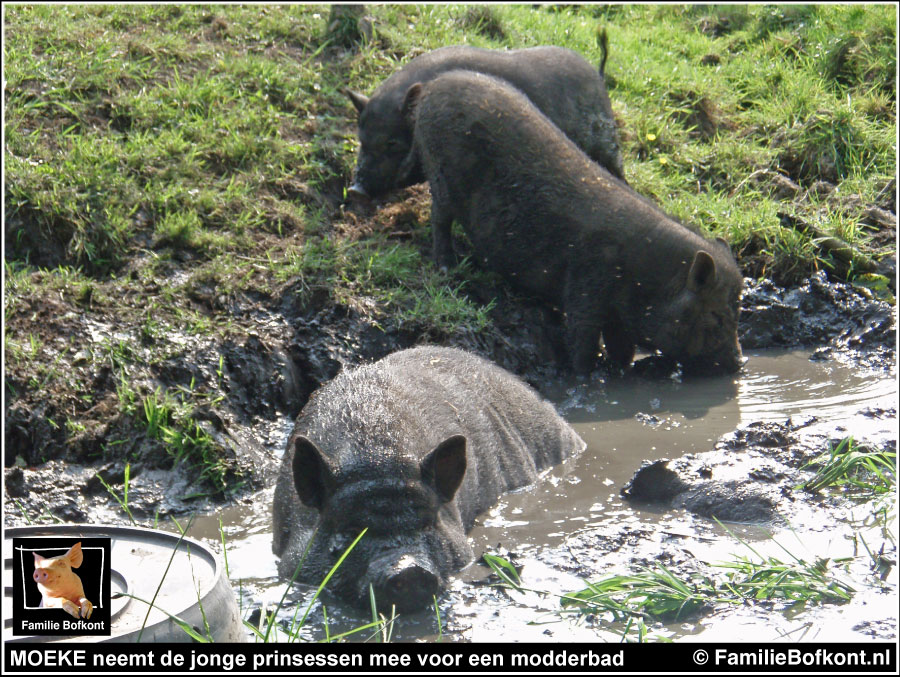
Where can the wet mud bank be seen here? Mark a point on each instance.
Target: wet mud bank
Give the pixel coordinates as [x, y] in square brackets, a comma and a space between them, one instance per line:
[285, 346]
[838, 320]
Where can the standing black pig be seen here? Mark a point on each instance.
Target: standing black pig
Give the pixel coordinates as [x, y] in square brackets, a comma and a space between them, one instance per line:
[412, 447]
[559, 82]
[539, 212]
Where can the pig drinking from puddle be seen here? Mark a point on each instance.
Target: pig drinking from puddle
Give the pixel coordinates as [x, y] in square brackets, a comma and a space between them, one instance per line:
[59, 585]
[411, 448]
[559, 226]
[569, 90]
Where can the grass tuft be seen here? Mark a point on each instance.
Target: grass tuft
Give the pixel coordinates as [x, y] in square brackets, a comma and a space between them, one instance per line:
[659, 594]
[484, 20]
[854, 469]
[169, 419]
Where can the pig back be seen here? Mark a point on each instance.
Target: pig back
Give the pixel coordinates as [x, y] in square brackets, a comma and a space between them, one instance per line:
[514, 181]
[530, 201]
[512, 433]
[558, 81]
[557, 225]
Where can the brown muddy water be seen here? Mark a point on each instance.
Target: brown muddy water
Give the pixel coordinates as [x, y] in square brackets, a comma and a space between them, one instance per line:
[575, 525]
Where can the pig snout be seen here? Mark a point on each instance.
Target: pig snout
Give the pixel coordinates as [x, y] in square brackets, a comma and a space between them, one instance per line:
[40, 576]
[408, 582]
[726, 362]
[357, 191]
[361, 186]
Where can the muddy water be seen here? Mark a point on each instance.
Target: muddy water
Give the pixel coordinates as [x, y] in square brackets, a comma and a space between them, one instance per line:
[624, 422]
[630, 421]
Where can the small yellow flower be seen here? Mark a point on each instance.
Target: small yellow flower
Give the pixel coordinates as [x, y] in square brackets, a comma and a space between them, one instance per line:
[651, 136]
[663, 161]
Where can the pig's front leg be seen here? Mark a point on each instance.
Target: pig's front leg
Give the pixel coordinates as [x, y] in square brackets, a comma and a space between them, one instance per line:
[617, 345]
[71, 608]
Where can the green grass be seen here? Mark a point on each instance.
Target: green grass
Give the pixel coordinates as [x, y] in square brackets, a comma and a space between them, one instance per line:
[793, 582]
[853, 469]
[650, 593]
[195, 126]
[169, 418]
[392, 280]
[657, 593]
[123, 499]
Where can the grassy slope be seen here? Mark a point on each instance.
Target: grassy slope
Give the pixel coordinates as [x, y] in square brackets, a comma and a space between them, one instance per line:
[161, 159]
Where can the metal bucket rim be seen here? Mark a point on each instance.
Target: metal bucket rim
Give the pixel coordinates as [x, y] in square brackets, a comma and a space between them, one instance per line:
[219, 580]
[118, 531]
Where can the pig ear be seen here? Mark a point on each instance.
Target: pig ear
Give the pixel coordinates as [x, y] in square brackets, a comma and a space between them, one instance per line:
[703, 272]
[38, 560]
[443, 469]
[75, 556]
[313, 478]
[727, 247]
[411, 100]
[360, 101]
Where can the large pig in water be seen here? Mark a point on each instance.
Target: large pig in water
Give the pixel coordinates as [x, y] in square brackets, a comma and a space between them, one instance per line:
[570, 91]
[412, 448]
[557, 225]
[59, 585]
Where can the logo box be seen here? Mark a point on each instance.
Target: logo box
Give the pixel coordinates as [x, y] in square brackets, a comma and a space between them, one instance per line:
[30, 617]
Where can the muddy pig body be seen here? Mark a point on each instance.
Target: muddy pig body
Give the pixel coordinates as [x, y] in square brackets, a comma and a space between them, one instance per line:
[59, 585]
[561, 227]
[412, 448]
[569, 90]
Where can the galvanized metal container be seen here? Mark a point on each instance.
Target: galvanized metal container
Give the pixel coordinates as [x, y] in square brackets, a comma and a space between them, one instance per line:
[184, 576]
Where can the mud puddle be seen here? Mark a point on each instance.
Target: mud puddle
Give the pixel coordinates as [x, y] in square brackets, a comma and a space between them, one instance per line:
[576, 525]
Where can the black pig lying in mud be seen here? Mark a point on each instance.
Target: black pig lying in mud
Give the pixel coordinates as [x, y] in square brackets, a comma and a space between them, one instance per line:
[558, 81]
[559, 226]
[413, 448]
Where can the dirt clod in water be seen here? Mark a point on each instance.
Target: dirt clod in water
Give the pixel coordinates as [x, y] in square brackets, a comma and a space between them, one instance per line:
[730, 501]
[751, 477]
[746, 479]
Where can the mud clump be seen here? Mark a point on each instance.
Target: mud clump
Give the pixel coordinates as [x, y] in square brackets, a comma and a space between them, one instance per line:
[779, 186]
[484, 21]
[29, 434]
[730, 501]
[832, 315]
[753, 476]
